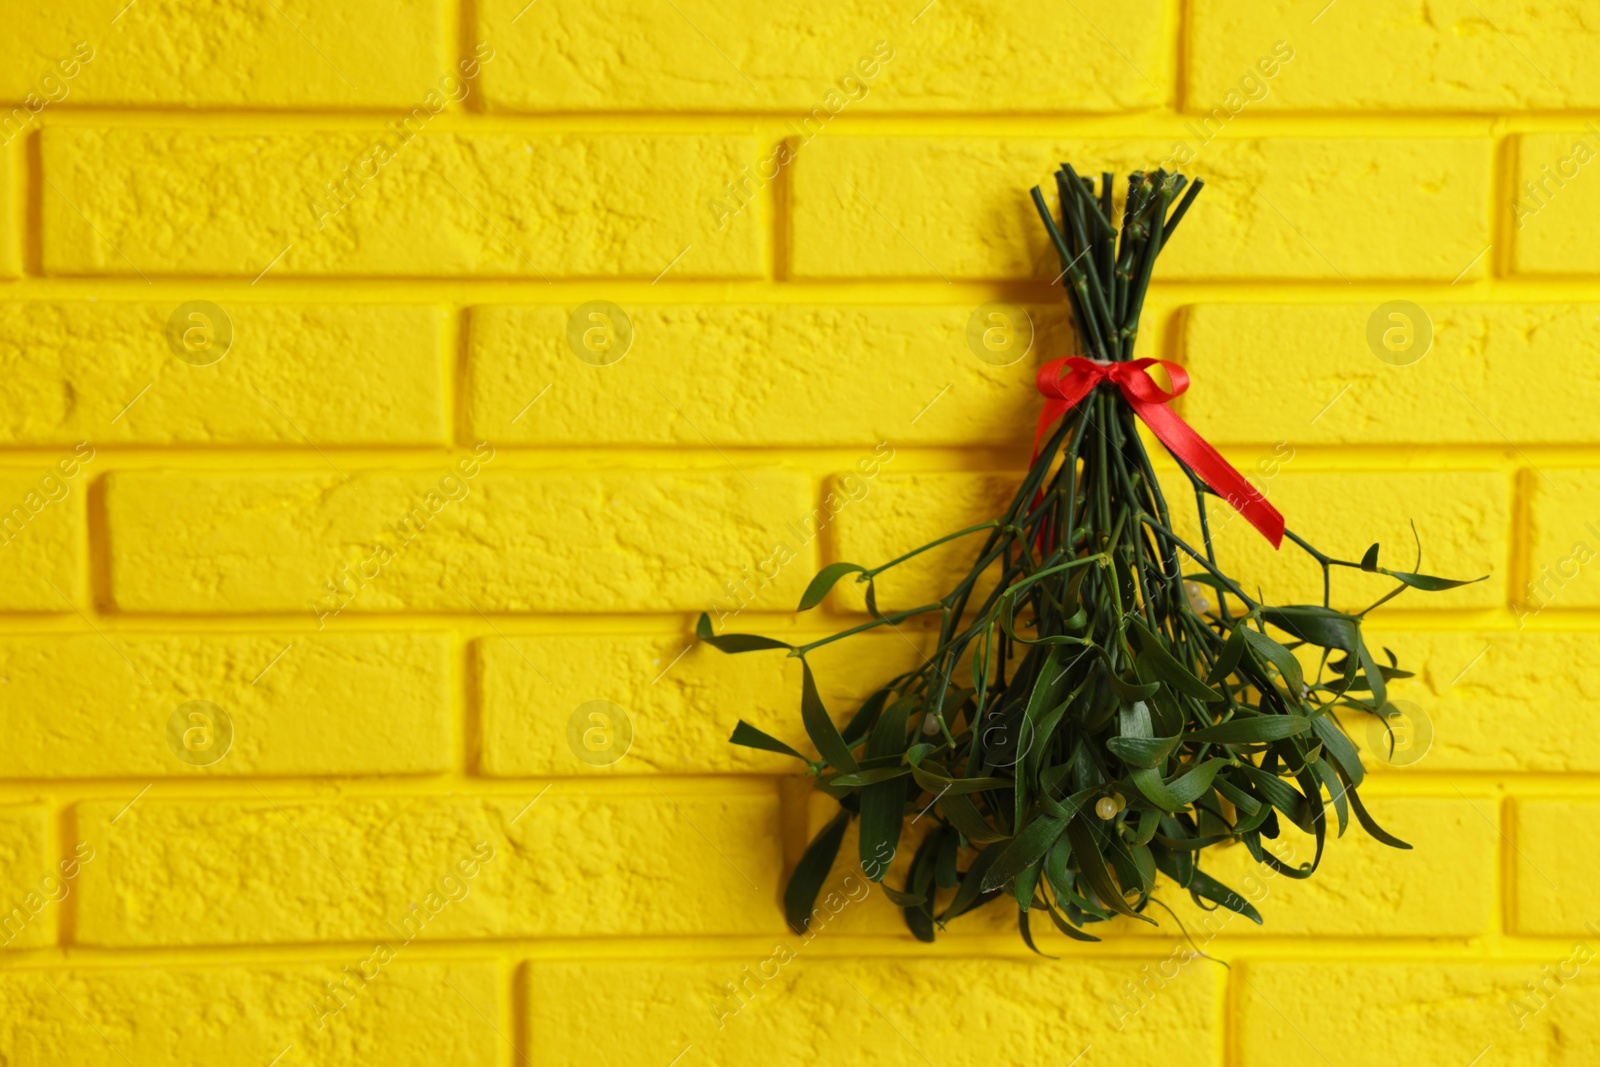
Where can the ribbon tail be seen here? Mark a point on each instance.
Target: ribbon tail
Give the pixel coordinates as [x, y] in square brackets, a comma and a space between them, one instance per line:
[1218, 473]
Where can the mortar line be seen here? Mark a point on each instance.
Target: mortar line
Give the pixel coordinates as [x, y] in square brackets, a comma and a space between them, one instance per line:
[1502, 180]
[1182, 15]
[1509, 895]
[456, 400]
[1519, 563]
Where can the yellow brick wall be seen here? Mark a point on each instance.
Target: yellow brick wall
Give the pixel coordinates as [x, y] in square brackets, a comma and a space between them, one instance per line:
[390, 214]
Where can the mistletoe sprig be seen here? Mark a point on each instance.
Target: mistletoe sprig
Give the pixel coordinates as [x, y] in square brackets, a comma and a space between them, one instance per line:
[1093, 720]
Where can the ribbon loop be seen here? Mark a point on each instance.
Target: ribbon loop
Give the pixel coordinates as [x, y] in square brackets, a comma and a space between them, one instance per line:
[1066, 382]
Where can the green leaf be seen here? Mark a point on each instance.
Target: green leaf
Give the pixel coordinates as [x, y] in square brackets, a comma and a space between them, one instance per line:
[1228, 658]
[1202, 885]
[824, 582]
[1144, 751]
[889, 735]
[1022, 887]
[1135, 720]
[1278, 793]
[1340, 748]
[1132, 692]
[965, 817]
[1369, 667]
[1251, 730]
[750, 737]
[1144, 863]
[819, 725]
[1370, 825]
[872, 599]
[1055, 867]
[945, 875]
[865, 717]
[883, 801]
[1146, 829]
[1024, 850]
[1182, 790]
[876, 775]
[1092, 865]
[800, 895]
[1278, 656]
[905, 900]
[1027, 932]
[1049, 686]
[1157, 662]
[919, 916]
[1369, 562]
[1316, 625]
[1236, 796]
[1067, 928]
[1063, 809]
[1192, 844]
[735, 643]
[1428, 581]
[1327, 778]
[936, 781]
[968, 891]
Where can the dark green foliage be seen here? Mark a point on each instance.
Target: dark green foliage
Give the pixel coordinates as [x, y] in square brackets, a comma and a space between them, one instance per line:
[1087, 724]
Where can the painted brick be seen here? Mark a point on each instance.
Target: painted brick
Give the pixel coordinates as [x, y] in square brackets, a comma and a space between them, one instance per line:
[1504, 56]
[958, 207]
[263, 869]
[1563, 540]
[1490, 698]
[1555, 841]
[754, 375]
[87, 706]
[288, 54]
[175, 201]
[630, 54]
[796, 1008]
[510, 542]
[903, 511]
[42, 535]
[105, 372]
[1555, 200]
[1423, 1012]
[681, 699]
[1462, 517]
[410, 1014]
[1305, 374]
[216, 151]
[31, 886]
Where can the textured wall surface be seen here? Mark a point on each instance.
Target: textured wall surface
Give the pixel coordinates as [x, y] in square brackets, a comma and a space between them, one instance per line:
[343, 557]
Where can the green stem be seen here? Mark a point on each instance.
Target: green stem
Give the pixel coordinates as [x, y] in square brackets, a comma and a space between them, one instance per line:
[874, 572]
[887, 620]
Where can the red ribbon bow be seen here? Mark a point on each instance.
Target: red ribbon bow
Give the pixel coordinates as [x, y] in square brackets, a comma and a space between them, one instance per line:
[1149, 402]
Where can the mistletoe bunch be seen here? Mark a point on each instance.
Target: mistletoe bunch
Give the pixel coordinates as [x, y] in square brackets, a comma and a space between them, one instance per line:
[1091, 716]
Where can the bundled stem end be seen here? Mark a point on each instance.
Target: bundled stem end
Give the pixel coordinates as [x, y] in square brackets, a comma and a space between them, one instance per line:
[1098, 718]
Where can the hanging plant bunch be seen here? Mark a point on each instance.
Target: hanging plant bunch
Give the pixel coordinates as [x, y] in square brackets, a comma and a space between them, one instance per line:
[1091, 715]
